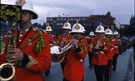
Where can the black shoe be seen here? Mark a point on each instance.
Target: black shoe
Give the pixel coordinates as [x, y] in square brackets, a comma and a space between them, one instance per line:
[47, 73]
[114, 69]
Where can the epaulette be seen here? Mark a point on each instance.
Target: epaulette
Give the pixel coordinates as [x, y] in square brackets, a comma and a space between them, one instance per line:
[36, 29]
[40, 43]
[42, 30]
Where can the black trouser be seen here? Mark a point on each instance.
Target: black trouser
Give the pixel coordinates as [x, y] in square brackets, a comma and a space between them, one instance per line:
[100, 72]
[90, 58]
[62, 66]
[115, 61]
[108, 70]
[47, 72]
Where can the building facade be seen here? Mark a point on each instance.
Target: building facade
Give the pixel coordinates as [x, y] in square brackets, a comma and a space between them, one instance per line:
[89, 22]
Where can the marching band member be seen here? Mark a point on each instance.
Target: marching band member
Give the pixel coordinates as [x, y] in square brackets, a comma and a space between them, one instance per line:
[100, 49]
[51, 39]
[109, 34]
[50, 36]
[74, 66]
[84, 39]
[63, 39]
[32, 52]
[116, 49]
[91, 37]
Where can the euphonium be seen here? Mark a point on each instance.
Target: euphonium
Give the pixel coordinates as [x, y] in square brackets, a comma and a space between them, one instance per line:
[58, 53]
[7, 70]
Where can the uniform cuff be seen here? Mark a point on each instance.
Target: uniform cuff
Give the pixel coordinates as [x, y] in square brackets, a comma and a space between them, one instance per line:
[77, 50]
[25, 61]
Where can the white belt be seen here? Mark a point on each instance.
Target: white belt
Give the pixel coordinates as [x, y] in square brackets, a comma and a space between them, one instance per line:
[115, 46]
[81, 60]
[101, 52]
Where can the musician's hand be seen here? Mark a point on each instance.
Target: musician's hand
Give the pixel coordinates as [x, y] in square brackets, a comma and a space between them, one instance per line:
[63, 42]
[16, 55]
[75, 42]
[100, 45]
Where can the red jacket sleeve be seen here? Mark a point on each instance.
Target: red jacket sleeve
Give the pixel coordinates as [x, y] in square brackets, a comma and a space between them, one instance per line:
[82, 52]
[40, 62]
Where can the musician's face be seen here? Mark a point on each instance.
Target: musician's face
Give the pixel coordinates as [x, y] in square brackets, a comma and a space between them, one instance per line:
[109, 36]
[115, 36]
[48, 32]
[66, 31]
[77, 36]
[99, 34]
[26, 17]
[91, 36]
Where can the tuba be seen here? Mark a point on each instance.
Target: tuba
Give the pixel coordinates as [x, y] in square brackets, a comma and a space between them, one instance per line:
[7, 70]
[58, 53]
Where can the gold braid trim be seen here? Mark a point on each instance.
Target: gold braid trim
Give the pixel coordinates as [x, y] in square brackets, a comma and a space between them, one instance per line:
[39, 45]
[31, 62]
[83, 45]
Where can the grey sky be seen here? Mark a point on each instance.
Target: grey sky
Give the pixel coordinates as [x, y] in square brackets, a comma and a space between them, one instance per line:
[122, 10]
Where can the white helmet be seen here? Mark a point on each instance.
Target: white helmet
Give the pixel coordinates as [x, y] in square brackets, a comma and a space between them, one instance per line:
[100, 29]
[77, 28]
[67, 25]
[27, 6]
[115, 33]
[108, 32]
[91, 33]
[83, 29]
[48, 28]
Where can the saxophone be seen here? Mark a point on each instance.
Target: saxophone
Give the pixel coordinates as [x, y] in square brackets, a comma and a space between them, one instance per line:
[7, 70]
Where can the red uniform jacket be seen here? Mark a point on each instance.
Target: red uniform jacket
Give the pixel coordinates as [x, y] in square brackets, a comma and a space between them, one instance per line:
[100, 59]
[90, 45]
[62, 37]
[33, 64]
[116, 46]
[74, 67]
[111, 52]
[85, 40]
[51, 39]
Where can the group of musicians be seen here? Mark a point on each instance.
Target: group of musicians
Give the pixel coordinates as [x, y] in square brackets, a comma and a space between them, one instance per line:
[32, 56]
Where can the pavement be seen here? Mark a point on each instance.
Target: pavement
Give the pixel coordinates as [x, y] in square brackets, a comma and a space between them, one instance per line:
[130, 70]
[118, 75]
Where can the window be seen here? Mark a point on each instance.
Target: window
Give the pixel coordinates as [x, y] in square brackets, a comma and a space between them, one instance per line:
[58, 19]
[61, 24]
[71, 19]
[58, 24]
[51, 19]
